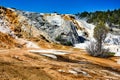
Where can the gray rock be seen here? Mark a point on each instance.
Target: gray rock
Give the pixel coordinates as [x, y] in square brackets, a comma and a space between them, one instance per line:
[66, 30]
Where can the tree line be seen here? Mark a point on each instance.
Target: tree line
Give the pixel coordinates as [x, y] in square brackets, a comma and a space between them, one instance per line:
[111, 17]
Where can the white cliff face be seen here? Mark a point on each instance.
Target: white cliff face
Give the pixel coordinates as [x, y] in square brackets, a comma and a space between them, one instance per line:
[55, 19]
[63, 28]
[53, 26]
[50, 26]
[87, 27]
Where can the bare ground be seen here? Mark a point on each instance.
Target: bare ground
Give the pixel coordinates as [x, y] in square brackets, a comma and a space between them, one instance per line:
[19, 64]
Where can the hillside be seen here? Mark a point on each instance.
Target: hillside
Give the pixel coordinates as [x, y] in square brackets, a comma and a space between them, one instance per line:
[51, 46]
[53, 28]
[20, 24]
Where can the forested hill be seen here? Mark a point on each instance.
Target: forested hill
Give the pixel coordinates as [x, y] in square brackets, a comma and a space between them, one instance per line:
[112, 18]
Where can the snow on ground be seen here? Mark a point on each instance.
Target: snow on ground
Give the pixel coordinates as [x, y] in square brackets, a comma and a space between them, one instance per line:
[76, 71]
[73, 72]
[56, 52]
[81, 45]
[50, 55]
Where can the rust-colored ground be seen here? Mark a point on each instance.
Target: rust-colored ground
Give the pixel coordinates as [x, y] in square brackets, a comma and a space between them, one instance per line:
[19, 64]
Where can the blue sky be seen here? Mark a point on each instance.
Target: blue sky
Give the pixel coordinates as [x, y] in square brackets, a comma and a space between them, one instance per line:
[61, 6]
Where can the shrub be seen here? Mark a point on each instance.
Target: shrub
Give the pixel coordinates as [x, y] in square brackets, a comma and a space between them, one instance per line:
[92, 49]
[96, 48]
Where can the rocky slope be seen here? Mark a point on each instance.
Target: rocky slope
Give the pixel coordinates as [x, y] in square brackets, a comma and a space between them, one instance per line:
[55, 28]
[48, 28]
[52, 27]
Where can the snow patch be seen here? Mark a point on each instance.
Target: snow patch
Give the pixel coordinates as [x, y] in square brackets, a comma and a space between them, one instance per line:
[80, 71]
[50, 55]
[83, 45]
[77, 71]
[49, 51]
[73, 72]
[80, 45]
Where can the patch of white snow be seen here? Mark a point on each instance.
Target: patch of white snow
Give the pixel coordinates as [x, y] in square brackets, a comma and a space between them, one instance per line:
[49, 51]
[50, 55]
[73, 72]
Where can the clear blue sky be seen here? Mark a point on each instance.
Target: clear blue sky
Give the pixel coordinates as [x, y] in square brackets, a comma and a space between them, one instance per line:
[61, 6]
